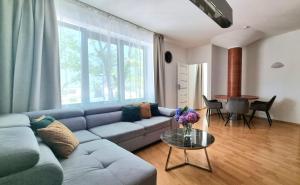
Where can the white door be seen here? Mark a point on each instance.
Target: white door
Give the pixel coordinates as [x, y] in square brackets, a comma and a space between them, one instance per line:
[182, 85]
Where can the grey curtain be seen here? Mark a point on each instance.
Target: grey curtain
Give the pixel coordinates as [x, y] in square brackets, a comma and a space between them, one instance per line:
[159, 69]
[198, 88]
[29, 59]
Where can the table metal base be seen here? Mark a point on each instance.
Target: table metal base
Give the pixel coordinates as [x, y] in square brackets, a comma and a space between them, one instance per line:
[186, 162]
[235, 117]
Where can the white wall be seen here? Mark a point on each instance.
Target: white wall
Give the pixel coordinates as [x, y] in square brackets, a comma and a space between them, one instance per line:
[202, 54]
[264, 81]
[258, 78]
[179, 56]
[198, 55]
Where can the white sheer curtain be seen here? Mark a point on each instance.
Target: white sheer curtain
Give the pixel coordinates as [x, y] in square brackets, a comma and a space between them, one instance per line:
[104, 59]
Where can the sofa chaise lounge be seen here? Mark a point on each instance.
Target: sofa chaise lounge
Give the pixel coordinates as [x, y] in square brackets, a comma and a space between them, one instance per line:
[103, 156]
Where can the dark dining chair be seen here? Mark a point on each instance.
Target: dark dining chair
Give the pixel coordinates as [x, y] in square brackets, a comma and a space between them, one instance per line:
[213, 104]
[238, 106]
[262, 106]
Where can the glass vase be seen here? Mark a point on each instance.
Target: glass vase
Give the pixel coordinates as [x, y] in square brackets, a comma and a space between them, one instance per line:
[187, 130]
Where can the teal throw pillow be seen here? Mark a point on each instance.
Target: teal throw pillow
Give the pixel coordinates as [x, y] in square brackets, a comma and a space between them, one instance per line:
[154, 109]
[131, 113]
[41, 122]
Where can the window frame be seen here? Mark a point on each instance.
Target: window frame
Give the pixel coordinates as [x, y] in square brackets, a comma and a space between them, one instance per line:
[87, 34]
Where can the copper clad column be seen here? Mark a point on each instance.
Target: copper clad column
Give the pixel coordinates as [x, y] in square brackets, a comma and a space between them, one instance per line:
[234, 80]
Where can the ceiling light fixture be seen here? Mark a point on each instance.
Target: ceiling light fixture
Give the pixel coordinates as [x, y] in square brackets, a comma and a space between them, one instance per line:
[218, 10]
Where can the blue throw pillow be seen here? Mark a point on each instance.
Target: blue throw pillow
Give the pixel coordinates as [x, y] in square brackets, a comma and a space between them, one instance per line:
[41, 122]
[154, 109]
[131, 113]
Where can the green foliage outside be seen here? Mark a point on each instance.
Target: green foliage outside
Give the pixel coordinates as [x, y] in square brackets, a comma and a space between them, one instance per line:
[104, 75]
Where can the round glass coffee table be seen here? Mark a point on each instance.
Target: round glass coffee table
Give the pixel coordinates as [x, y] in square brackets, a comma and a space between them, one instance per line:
[199, 139]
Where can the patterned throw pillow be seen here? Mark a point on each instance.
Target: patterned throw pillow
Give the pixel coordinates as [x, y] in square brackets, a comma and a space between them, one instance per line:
[59, 138]
[154, 109]
[145, 110]
[41, 122]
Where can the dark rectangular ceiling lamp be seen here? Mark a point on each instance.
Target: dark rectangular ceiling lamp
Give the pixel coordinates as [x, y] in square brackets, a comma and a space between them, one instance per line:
[218, 10]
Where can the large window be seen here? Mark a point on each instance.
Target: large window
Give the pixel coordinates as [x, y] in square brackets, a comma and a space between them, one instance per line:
[103, 71]
[70, 65]
[133, 72]
[96, 68]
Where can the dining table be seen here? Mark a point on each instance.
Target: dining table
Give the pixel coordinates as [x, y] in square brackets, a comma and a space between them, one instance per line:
[227, 97]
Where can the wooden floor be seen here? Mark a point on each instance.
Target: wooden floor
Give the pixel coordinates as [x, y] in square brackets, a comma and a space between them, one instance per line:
[262, 155]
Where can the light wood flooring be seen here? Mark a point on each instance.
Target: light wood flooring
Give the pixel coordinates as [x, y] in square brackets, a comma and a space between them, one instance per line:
[261, 155]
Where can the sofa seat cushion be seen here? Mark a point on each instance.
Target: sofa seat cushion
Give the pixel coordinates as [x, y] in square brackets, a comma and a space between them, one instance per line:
[103, 162]
[155, 123]
[119, 131]
[85, 136]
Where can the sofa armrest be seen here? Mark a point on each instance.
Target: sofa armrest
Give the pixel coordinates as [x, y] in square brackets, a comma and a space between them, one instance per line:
[167, 111]
[48, 171]
[19, 150]
[174, 124]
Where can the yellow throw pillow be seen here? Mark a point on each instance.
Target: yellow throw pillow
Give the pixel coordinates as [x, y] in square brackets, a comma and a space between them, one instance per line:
[145, 110]
[59, 138]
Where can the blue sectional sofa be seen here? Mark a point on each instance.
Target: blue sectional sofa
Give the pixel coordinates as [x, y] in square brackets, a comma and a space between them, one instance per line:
[102, 157]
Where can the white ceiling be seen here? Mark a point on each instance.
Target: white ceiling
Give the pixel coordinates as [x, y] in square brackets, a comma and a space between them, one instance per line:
[183, 23]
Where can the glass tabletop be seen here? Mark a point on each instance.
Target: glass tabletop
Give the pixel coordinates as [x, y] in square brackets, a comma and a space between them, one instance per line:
[199, 139]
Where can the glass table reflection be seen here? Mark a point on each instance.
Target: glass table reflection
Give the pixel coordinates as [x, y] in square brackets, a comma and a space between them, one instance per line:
[199, 139]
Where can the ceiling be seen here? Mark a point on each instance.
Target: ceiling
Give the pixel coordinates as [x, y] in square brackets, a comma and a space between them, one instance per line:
[182, 22]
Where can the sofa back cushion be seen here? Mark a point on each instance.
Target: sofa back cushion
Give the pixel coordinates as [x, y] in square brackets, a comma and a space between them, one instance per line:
[103, 115]
[72, 118]
[103, 119]
[14, 120]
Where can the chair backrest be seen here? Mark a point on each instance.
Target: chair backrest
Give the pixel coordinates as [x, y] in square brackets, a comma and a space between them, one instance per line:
[270, 103]
[205, 100]
[237, 105]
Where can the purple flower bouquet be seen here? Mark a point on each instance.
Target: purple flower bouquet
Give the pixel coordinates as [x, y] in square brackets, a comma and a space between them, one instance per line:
[187, 117]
